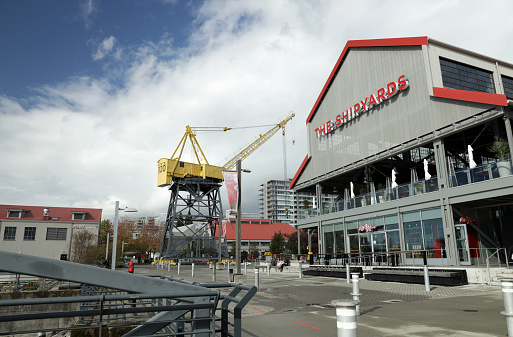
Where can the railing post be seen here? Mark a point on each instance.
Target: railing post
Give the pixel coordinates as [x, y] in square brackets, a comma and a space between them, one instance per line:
[346, 317]
[356, 291]
[507, 294]
[488, 268]
[257, 278]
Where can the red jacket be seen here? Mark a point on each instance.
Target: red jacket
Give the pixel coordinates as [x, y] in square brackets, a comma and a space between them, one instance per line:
[131, 266]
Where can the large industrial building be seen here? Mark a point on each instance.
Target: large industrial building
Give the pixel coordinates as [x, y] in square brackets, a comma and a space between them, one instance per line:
[412, 137]
[45, 231]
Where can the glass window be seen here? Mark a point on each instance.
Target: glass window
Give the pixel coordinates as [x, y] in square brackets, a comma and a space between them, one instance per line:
[394, 243]
[53, 233]
[10, 233]
[365, 243]
[434, 213]
[328, 239]
[339, 239]
[14, 214]
[352, 227]
[464, 77]
[507, 83]
[413, 235]
[30, 234]
[354, 244]
[434, 238]
[411, 216]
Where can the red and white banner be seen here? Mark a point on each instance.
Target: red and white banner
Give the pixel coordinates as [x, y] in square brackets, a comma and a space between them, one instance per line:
[232, 188]
[224, 223]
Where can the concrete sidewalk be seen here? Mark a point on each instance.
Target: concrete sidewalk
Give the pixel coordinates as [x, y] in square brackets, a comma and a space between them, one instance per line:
[289, 306]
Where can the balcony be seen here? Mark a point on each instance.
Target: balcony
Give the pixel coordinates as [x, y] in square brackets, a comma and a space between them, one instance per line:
[483, 172]
[381, 196]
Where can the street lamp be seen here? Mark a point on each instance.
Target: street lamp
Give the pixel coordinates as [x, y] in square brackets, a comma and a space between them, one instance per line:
[239, 214]
[115, 237]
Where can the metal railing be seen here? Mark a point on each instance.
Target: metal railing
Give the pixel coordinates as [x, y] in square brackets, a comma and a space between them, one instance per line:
[482, 172]
[103, 311]
[475, 256]
[380, 196]
[12, 282]
[231, 308]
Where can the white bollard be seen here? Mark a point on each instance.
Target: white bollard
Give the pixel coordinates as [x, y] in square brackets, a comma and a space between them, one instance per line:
[346, 317]
[192, 270]
[214, 271]
[348, 273]
[507, 294]
[168, 265]
[300, 264]
[356, 291]
[245, 267]
[268, 268]
[179, 263]
[257, 278]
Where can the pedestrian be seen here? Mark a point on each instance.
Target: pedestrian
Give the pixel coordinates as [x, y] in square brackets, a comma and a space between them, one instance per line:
[131, 267]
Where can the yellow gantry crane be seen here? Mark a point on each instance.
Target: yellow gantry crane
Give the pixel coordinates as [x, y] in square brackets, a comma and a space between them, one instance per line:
[170, 168]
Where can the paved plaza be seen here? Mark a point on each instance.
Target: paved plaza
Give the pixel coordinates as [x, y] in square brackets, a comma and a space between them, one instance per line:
[289, 306]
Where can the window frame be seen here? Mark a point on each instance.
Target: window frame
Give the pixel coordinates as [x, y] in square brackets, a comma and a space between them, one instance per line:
[11, 234]
[29, 234]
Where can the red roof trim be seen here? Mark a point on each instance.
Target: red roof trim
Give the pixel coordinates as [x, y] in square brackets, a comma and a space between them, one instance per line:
[299, 171]
[394, 42]
[471, 96]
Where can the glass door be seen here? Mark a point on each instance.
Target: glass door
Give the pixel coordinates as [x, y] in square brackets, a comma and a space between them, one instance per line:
[462, 244]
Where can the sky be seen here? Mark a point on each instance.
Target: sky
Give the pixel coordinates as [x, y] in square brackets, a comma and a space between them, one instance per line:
[93, 93]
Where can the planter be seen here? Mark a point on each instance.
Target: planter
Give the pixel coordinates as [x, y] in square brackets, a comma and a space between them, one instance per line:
[504, 168]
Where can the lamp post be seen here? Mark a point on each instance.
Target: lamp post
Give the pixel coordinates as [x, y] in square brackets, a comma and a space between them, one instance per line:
[115, 237]
[239, 214]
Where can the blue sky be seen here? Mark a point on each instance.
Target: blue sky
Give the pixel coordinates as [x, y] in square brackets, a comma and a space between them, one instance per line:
[94, 92]
[50, 41]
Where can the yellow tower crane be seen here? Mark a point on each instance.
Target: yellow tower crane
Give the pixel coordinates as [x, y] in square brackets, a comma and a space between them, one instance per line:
[170, 168]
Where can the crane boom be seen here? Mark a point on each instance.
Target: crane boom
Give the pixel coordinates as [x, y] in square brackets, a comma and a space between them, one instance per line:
[174, 168]
[257, 143]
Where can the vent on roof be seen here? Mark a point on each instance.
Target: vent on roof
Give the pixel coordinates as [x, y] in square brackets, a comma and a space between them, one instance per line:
[46, 214]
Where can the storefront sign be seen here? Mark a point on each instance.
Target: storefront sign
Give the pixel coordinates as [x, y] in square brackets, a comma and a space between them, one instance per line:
[367, 228]
[383, 94]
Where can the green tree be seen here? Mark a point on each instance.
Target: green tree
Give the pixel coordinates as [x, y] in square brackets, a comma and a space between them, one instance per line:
[233, 249]
[277, 245]
[291, 244]
[85, 248]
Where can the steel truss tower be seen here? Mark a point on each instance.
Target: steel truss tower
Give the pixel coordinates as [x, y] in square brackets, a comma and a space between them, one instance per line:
[193, 216]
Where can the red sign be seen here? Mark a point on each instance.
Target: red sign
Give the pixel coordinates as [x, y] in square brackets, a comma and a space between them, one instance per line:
[367, 228]
[383, 94]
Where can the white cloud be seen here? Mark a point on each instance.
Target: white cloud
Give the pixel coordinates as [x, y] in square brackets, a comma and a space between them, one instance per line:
[88, 9]
[106, 47]
[88, 142]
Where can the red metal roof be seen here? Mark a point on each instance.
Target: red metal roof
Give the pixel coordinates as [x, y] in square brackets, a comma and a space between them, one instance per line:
[58, 214]
[258, 231]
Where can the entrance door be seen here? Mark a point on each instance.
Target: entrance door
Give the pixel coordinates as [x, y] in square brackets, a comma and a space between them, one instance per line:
[462, 244]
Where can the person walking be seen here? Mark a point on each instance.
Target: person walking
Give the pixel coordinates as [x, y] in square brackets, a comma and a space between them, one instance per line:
[131, 267]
